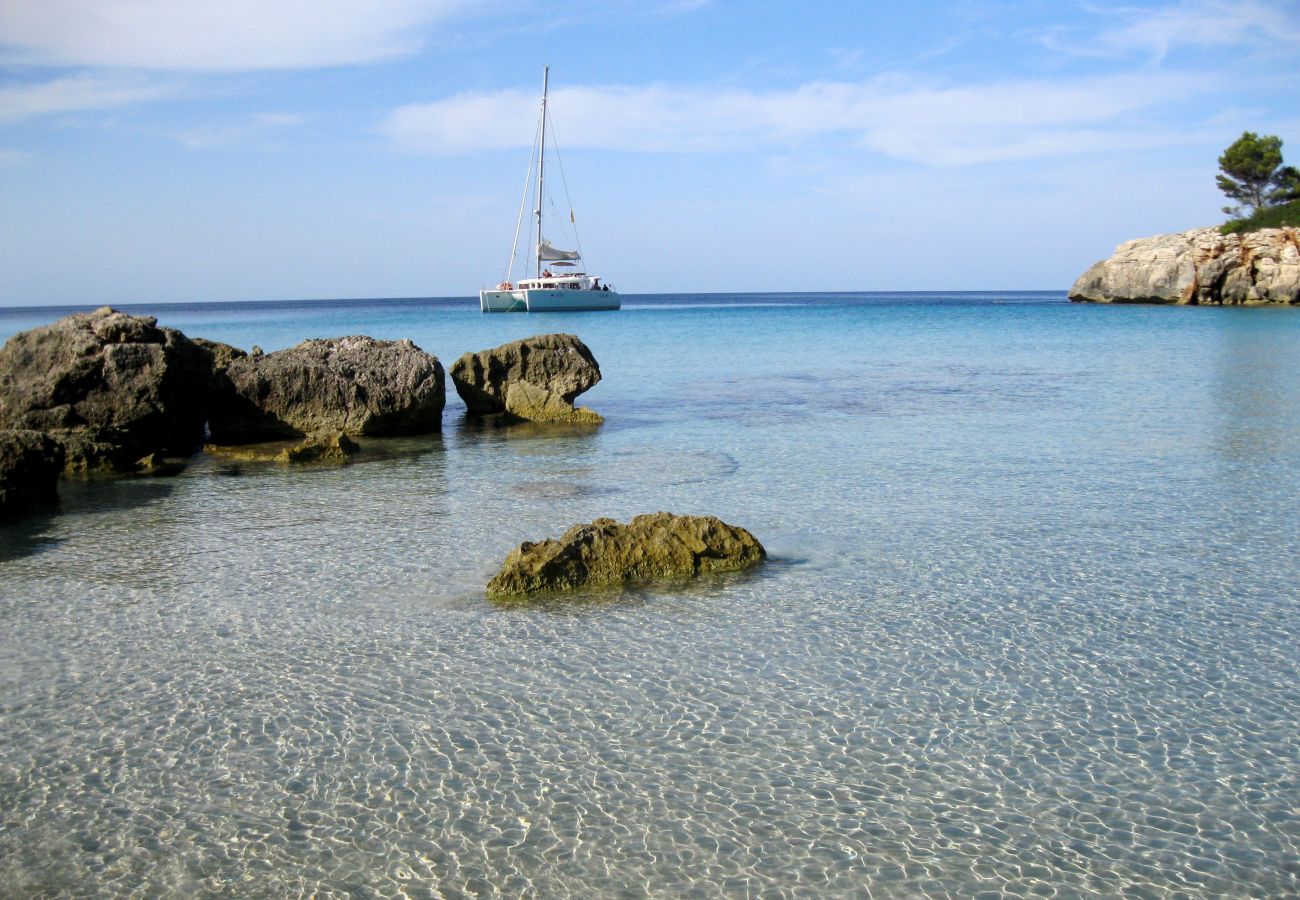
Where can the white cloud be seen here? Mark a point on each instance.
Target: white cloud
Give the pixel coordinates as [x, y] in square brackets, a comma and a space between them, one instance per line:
[212, 35]
[940, 125]
[75, 94]
[1200, 23]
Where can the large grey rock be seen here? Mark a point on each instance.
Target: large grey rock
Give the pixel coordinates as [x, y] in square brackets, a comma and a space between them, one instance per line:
[1201, 266]
[352, 385]
[110, 387]
[30, 463]
[605, 552]
[558, 365]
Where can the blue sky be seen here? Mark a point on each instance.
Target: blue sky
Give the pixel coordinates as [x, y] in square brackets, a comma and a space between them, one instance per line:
[174, 150]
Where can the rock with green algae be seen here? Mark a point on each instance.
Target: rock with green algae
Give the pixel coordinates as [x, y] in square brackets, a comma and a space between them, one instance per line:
[334, 447]
[337, 447]
[545, 373]
[536, 404]
[606, 552]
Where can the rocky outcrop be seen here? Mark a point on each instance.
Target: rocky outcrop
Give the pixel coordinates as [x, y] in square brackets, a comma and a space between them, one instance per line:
[535, 379]
[353, 385]
[605, 552]
[1199, 267]
[30, 463]
[110, 387]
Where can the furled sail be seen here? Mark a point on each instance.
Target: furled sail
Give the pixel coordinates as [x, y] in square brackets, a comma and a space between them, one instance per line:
[546, 251]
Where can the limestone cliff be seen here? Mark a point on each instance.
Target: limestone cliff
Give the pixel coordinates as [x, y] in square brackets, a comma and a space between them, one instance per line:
[1199, 267]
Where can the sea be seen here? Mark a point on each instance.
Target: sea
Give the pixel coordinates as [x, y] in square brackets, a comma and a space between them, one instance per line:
[1029, 625]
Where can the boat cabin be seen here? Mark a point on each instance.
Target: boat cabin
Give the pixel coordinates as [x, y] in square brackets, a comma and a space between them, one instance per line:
[568, 281]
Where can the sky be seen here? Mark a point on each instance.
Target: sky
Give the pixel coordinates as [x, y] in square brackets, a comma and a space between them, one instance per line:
[187, 150]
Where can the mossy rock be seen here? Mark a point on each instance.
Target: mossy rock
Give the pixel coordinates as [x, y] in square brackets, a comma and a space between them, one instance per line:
[605, 552]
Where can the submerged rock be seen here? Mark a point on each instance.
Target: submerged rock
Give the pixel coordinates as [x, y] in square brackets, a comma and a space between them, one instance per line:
[606, 552]
[353, 385]
[110, 387]
[336, 447]
[1199, 267]
[30, 464]
[545, 373]
[333, 447]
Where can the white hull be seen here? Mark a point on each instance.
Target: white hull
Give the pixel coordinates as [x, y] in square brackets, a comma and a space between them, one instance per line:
[546, 300]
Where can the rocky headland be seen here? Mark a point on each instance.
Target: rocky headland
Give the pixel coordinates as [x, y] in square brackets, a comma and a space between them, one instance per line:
[1199, 267]
[605, 552]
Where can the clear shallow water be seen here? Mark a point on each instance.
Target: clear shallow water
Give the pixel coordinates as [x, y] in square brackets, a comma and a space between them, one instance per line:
[1030, 625]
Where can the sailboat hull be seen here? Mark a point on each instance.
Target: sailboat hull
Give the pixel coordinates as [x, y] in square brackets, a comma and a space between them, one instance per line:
[547, 300]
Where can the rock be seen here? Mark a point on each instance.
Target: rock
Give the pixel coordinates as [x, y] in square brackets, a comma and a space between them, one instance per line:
[109, 386]
[325, 447]
[1202, 267]
[261, 453]
[535, 404]
[605, 552]
[336, 447]
[30, 463]
[222, 354]
[557, 364]
[353, 385]
[156, 464]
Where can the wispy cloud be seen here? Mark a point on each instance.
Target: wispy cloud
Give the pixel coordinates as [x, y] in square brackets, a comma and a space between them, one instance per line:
[78, 93]
[1247, 24]
[260, 129]
[896, 116]
[203, 35]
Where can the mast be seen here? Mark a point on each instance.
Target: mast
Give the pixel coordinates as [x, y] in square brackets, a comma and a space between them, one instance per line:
[541, 169]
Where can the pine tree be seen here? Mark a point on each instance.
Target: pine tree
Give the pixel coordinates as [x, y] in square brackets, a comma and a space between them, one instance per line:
[1254, 176]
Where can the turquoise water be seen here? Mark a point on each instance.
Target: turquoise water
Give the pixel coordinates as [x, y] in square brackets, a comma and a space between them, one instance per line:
[1030, 625]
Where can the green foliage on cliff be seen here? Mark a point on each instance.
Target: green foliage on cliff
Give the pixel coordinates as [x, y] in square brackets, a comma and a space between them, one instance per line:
[1268, 217]
[1254, 176]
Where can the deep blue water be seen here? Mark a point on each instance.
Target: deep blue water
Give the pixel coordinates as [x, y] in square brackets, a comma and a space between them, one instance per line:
[1030, 625]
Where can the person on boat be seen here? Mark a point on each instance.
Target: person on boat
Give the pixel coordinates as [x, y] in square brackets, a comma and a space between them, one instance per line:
[546, 273]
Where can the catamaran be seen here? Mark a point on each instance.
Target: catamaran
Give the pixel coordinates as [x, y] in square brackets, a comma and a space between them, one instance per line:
[552, 287]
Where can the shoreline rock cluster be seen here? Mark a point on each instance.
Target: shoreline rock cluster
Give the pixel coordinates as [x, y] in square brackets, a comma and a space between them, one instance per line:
[1201, 267]
[107, 391]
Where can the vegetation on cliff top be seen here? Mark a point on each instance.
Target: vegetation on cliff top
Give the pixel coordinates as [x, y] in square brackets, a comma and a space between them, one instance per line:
[1266, 191]
[1268, 217]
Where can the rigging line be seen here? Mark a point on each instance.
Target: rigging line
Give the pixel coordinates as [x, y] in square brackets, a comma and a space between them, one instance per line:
[559, 161]
[523, 200]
